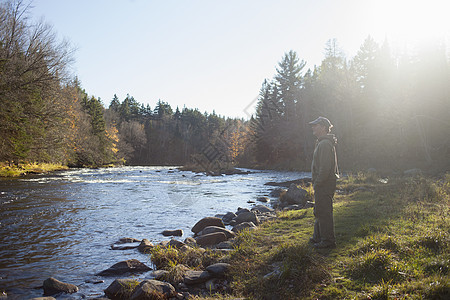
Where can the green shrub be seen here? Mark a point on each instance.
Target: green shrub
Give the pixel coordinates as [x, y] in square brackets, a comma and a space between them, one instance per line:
[301, 265]
[374, 266]
[165, 258]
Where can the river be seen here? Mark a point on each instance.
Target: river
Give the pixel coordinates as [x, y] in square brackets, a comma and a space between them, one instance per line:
[63, 224]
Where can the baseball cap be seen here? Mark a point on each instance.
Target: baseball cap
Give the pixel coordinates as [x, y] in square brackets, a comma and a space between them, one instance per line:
[322, 120]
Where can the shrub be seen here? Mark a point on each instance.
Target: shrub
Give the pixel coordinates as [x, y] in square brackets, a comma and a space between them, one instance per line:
[374, 266]
[302, 266]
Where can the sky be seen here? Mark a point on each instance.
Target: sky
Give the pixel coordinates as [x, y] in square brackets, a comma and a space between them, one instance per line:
[214, 55]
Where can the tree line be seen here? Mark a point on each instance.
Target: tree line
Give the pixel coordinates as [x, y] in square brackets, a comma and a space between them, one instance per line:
[390, 111]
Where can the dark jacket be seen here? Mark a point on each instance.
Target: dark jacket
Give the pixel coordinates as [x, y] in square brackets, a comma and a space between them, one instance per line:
[324, 165]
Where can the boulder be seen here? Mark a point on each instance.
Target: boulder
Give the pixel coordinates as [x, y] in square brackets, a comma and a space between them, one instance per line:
[241, 211]
[175, 243]
[277, 192]
[177, 232]
[211, 239]
[194, 277]
[225, 245]
[121, 289]
[145, 246]
[160, 274]
[218, 269]
[123, 267]
[125, 246]
[263, 199]
[213, 229]
[247, 217]
[228, 217]
[153, 289]
[53, 286]
[262, 209]
[242, 226]
[205, 222]
[127, 240]
[190, 241]
[294, 195]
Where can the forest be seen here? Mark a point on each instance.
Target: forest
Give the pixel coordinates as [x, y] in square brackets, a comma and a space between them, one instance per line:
[390, 110]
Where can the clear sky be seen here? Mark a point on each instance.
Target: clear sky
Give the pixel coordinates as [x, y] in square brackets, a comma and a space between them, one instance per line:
[215, 54]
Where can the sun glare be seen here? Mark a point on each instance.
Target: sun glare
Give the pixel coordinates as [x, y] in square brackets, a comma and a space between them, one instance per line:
[412, 21]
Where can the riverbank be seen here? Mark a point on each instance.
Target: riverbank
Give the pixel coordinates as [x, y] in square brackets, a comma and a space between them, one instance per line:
[29, 168]
[393, 242]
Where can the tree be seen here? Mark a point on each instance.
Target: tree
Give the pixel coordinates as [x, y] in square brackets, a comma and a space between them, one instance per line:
[33, 68]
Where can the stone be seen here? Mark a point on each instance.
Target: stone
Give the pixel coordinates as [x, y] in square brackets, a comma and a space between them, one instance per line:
[262, 209]
[295, 195]
[145, 246]
[153, 289]
[242, 210]
[218, 269]
[225, 245]
[53, 286]
[205, 222]
[121, 289]
[263, 199]
[177, 232]
[195, 277]
[211, 239]
[125, 246]
[123, 267]
[277, 192]
[175, 243]
[38, 298]
[127, 240]
[228, 217]
[160, 274]
[242, 226]
[164, 243]
[190, 241]
[247, 216]
[213, 229]
[293, 207]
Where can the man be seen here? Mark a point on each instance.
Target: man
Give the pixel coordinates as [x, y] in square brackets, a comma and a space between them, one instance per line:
[324, 174]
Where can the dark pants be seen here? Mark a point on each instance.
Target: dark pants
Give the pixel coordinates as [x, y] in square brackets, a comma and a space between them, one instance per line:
[323, 211]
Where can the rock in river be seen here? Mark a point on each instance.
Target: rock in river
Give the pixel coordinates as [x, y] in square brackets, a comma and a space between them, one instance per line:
[123, 267]
[53, 286]
[205, 222]
[177, 232]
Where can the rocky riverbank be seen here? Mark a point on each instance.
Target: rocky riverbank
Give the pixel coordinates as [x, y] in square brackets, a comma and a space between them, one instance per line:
[196, 266]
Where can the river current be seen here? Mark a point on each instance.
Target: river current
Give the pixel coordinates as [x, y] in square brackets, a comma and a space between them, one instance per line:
[63, 224]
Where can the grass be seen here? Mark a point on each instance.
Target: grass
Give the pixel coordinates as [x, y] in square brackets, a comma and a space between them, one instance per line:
[29, 168]
[393, 237]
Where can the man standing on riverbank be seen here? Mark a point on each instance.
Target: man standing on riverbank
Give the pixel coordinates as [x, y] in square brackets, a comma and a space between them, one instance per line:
[324, 174]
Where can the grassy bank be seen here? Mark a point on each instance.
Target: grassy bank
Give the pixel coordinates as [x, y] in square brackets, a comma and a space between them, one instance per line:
[29, 168]
[393, 242]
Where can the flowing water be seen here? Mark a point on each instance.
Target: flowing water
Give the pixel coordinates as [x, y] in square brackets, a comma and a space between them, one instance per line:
[62, 225]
